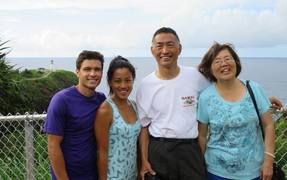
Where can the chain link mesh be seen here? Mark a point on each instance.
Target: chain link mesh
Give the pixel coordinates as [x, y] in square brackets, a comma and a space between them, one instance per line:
[23, 147]
[281, 143]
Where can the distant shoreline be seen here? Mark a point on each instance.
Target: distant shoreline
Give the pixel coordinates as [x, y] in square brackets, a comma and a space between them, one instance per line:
[272, 79]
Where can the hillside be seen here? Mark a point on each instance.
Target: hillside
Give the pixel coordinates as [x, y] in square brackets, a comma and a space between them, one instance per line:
[30, 90]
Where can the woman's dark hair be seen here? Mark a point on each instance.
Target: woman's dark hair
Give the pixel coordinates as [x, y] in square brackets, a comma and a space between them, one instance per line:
[118, 63]
[205, 65]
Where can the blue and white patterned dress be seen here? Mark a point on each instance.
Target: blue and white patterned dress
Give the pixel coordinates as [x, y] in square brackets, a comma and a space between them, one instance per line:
[122, 155]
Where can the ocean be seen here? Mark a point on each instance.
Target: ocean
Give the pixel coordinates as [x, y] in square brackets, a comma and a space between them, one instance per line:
[269, 72]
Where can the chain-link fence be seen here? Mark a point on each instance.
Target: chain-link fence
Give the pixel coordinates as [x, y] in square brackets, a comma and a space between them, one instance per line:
[23, 147]
[281, 143]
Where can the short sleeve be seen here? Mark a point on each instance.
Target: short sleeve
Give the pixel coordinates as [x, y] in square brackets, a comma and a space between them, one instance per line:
[55, 120]
[102, 97]
[144, 120]
[262, 100]
[202, 111]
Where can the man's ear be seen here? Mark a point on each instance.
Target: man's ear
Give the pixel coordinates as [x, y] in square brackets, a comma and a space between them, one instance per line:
[77, 72]
[151, 50]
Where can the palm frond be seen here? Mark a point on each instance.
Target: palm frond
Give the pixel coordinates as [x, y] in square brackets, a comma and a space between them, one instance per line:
[1, 44]
[2, 56]
[3, 48]
[2, 52]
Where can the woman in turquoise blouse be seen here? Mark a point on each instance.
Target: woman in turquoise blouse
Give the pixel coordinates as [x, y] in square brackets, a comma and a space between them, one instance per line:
[234, 148]
[117, 126]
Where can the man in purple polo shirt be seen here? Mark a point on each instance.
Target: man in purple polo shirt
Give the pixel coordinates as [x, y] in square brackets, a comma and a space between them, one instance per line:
[70, 119]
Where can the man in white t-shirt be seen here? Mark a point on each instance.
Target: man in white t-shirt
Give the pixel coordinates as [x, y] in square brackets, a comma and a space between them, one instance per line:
[167, 103]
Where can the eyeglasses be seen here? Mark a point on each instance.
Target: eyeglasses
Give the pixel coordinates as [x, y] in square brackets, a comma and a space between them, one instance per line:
[219, 62]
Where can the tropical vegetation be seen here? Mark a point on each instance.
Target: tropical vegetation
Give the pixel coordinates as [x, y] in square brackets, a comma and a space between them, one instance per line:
[29, 90]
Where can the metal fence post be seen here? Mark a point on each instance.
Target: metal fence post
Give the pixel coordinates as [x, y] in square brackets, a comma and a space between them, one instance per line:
[29, 150]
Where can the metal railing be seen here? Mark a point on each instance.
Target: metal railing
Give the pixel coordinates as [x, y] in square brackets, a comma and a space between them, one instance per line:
[23, 147]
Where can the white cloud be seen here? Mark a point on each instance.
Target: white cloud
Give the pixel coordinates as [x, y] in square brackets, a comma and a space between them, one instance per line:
[55, 43]
[115, 26]
[56, 4]
[9, 19]
[244, 27]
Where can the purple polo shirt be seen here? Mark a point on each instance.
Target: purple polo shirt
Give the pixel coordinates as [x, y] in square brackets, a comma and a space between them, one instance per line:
[72, 115]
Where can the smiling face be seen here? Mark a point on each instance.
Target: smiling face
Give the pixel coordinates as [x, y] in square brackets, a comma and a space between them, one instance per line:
[223, 67]
[90, 75]
[121, 83]
[166, 49]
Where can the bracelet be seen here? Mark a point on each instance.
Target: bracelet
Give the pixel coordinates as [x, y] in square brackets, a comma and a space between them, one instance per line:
[269, 154]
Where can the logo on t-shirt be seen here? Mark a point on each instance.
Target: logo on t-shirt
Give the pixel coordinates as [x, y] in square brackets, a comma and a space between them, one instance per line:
[188, 101]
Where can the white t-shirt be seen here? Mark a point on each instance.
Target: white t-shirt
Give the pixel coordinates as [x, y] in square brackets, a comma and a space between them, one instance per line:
[169, 106]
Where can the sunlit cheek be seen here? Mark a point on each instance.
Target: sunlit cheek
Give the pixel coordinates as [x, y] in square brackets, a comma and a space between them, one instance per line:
[100, 73]
[114, 85]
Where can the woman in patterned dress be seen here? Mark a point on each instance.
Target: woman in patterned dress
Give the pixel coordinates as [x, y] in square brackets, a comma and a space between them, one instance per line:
[234, 148]
[117, 126]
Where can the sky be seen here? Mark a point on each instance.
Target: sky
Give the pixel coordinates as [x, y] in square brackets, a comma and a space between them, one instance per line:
[63, 28]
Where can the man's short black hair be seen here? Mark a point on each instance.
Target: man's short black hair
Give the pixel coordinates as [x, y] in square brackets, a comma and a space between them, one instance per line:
[165, 30]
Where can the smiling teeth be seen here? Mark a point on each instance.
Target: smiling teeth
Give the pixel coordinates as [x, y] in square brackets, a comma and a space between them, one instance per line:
[225, 70]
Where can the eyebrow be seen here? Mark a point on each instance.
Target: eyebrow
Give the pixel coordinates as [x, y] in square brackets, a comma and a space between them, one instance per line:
[168, 42]
[224, 57]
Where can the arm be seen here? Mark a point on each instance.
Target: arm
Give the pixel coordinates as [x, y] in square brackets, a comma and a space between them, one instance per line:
[104, 117]
[144, 141]
[202, 130]
[56, 157]
[269, 144]
[276, 103]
